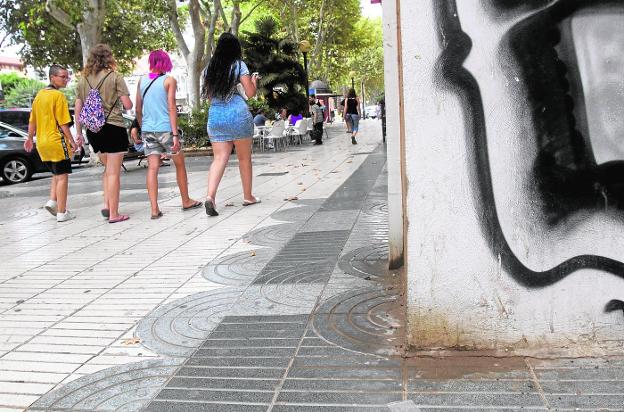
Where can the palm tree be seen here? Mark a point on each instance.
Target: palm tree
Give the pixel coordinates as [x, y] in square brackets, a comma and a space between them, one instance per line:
[273, 56]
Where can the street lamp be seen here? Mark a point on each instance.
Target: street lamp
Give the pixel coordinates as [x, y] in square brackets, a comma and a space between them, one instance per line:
[305, 47]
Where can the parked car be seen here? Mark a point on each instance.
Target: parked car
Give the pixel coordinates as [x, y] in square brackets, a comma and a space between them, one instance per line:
[16, 164]
[370, 111]
[18, 118]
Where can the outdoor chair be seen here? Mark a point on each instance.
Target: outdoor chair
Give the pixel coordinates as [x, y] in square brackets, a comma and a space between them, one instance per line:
[299, 131]
[276, 135]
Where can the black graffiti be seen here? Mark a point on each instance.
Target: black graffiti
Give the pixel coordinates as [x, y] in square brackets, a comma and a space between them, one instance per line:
[614, 305]
[456, 46]
[565, 170]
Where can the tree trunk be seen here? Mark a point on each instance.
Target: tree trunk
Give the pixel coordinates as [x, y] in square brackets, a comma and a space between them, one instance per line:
[194, 58]
[236, 18]
[89, 29]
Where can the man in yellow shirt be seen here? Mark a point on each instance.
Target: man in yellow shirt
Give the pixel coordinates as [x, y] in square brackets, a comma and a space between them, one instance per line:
[49, 113]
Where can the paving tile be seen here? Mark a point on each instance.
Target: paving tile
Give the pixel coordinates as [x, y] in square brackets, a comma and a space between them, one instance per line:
[169, 406]
[213, 395]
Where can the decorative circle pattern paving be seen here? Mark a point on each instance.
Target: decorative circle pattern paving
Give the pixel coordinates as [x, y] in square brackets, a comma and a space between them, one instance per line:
[180, 327]
[363, 320]
[238, 269]
[129, 388]
[379, 208]
[272, 236]
[368, 262]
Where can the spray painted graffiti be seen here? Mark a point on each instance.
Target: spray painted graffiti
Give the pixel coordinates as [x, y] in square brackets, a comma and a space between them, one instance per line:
[559, 64]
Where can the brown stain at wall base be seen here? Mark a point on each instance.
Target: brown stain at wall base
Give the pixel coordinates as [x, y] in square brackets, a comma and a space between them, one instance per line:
[430, 330]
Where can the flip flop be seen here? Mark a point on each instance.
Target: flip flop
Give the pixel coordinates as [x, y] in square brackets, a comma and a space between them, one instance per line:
[251, 202]
[105, 213]
[210, 207]
[157, 215]
[120, 218]
[193, 206]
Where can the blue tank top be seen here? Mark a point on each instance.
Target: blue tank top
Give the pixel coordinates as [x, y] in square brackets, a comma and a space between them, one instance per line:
[155, 109]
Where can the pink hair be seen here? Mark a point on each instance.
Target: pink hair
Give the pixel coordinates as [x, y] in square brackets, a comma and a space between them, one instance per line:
[160, 62]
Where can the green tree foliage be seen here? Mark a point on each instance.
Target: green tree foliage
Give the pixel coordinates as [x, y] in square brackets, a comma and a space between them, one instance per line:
[270, 53]
[131, 27]
[22, 92]
[366, 60]
[342, 40]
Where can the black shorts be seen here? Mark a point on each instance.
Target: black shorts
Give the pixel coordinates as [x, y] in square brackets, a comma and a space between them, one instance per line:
[110, 139]
[59, 168]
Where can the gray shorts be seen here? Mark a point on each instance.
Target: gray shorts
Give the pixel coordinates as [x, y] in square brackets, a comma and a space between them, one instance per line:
[157, 143]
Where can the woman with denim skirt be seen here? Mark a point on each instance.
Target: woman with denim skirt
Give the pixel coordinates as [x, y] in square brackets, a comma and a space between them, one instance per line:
[230, 123]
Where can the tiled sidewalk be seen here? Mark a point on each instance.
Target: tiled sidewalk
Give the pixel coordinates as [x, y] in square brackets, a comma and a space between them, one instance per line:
[283, 306]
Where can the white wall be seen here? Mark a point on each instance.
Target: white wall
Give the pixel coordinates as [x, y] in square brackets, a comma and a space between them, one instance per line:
[392, 73]
[490, 263]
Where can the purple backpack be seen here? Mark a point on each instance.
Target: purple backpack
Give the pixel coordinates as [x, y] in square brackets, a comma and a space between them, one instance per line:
[92, 113]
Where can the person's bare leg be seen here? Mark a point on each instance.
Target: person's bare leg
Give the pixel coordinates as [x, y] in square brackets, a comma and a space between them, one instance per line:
[153, 164]
[61, 192]
[103, 159]
[243, 153]
[221, 154]
[53, 188]
[113, 183]
[182, 179]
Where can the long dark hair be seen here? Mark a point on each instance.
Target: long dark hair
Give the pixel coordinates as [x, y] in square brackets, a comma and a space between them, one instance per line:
[220, 75]
[351, 94]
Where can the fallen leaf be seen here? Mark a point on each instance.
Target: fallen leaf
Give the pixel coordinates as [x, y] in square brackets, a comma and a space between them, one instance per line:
[349, 161]
[253, 253]
[229, 204]
[131, 341]
[300, 183]
[303, 190]
[291, 198]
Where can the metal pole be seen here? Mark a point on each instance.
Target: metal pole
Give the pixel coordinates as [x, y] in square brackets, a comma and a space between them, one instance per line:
[352, 83]
[363, 101]
[305, 67]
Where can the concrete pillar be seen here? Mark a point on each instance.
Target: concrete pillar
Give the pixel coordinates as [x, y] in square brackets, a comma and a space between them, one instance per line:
[512, 222]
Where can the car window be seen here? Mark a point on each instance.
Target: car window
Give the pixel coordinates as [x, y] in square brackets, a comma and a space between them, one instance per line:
[17, 118]
[4, 132]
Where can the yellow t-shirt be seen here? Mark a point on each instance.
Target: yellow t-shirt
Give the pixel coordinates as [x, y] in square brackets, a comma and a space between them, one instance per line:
[49, 111]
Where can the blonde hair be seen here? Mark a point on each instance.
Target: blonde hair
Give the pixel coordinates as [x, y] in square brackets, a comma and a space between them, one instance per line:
[100, 58]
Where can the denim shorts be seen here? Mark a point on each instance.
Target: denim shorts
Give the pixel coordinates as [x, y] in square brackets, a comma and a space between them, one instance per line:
[355, 122]
[157, 143]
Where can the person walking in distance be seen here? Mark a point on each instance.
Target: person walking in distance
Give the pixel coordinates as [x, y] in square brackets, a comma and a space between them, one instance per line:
[157, 116]
[352, 111]
[49, 112]
[317, 120]
[229, 121]
[101, 89]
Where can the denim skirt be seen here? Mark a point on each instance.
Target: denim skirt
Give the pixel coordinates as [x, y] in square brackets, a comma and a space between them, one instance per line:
[228, 121]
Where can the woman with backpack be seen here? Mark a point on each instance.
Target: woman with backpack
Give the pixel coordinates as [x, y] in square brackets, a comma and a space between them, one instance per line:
[98, 96]
[229, 121]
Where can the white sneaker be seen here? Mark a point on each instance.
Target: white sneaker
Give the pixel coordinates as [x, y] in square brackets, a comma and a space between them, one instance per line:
[50, 206]
[64, 217]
